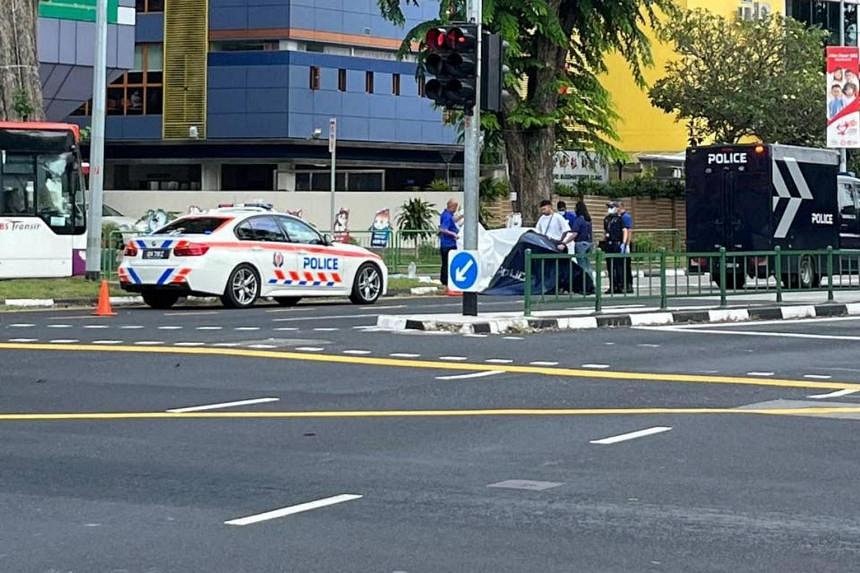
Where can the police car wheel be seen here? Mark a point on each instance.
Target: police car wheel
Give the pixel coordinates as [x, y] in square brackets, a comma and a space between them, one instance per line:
[368, 284]
[288, 300]
[159, 300]
[243, 287]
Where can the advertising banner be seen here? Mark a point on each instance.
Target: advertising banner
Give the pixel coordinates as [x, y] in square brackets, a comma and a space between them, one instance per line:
[843, 107]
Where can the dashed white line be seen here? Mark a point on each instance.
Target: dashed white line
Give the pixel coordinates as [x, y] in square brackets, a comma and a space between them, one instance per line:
[498, 360]
[59, 326]
[470, 375]
[836, 394]
[326, 329]
[189, 344]
[453, 358]
[222, 405]
[262, 346]
[404, 355]
[106, 342]
[247, 328]
[513, 338]
[357, 352]
[96, 326]
[169, 328]
[475, 335]
[64, 341]
[309, 348]
[631, 435]
[227, 344]
[210, 328]
[21, 325]
[543, 363]
[284, 511]
[23, 340]
[287, 328]
[817, 376]
[760, 373]
[648, 345]
[596, 366]
[134, 327]
[149, 342]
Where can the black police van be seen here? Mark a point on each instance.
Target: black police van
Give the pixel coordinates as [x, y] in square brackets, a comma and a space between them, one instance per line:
[757, 197]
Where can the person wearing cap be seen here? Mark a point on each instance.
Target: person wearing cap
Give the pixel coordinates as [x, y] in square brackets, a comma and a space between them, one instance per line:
[614, 228]
[626, 244]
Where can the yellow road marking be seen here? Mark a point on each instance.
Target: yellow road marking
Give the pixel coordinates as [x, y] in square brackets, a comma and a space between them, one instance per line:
[509, 412]
[438, 365]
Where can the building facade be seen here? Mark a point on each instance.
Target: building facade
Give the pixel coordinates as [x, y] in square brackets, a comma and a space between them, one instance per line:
[231, 100]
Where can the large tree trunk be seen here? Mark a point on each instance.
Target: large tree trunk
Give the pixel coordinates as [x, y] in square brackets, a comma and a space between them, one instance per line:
[20, 86]
[530, 160]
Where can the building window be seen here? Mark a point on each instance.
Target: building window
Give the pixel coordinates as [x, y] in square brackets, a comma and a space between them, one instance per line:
[320, 180]
[341, 80]
[368, 82]
[245, 46]
[314, 79]
[139, 91]
[248, 177]
[395, 84]
[421, 83]
[143, 6]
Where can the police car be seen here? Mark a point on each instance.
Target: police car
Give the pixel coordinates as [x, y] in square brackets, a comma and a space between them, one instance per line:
[242, 254]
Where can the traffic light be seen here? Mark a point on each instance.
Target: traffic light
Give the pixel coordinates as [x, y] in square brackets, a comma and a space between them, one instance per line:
[451, 56]
[493, 70]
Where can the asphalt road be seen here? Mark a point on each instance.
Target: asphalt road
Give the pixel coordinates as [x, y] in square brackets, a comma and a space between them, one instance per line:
[469, 453]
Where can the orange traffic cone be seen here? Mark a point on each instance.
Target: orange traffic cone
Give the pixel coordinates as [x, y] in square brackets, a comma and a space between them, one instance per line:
[104, 308]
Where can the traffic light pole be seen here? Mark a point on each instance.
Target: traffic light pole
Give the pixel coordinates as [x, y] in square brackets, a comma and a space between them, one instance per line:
[97, 145]
[472, 162]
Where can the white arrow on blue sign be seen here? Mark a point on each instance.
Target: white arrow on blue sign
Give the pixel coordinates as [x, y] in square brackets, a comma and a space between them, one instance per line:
[464, 269]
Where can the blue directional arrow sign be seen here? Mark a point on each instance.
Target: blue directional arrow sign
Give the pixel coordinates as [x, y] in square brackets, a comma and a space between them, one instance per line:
[464, 269]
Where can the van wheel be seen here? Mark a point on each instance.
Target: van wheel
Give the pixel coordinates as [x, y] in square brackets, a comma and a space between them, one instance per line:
[809, 278]
[367, 286]
[243, 287]
[159, 300]
[288, 300]
[734, 280]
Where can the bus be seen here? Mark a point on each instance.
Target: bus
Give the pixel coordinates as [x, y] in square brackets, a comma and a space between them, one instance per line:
[43, 231]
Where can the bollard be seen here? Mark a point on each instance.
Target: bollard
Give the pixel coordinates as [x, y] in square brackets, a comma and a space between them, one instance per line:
[777, 269]
[598, 280]
[830, 273]
[663, 302]
[723, 302]
[527, 287]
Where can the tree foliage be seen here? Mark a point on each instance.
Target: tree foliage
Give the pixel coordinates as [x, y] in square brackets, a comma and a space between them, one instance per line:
[738, 78]
[556, 53]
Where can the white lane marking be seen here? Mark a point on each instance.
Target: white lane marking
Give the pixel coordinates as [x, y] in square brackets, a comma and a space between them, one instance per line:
[357, 352]
[326, 329]
[23, 340]
[404, 355]
[59, 326]
[169, 328]
[149, 342]
[284, 511]
[64, 341]
[382, 307]
[21, 325]
[756, 323]
[189, 344]
[362, 327]
[262, 346]
[247, 328]
[631, 435]
[309, 348]
[836, 394]
[543, 363]
[648, 345]
[513, 338]
[227, 344]
[321, 318]
[755, 333]
[106, 342]
[498, 361]
[609, 343]
[287, 328]
[475, 335]
[96, 326]
[759, 373]
[453, 358]
[817, 376]
[210, 327]
[470, 375]
[596, 366]
[222, 405]
[132, 327]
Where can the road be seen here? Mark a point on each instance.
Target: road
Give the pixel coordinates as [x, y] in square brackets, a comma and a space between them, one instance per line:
[168, 441]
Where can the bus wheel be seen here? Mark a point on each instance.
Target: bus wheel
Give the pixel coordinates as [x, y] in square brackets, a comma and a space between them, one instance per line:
[159, 300]
[809, 278]
[735, 280]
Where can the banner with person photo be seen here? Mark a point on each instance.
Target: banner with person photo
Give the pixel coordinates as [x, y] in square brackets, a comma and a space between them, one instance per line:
[843, 107]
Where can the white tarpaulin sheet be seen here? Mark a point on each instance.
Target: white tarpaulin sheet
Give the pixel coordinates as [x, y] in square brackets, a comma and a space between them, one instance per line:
[493, 247]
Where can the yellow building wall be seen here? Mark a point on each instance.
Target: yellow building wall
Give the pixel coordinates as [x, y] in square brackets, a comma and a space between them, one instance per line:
[642, 127]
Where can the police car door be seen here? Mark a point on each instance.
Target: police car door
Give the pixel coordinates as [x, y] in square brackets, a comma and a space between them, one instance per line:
[312, 268]
[266, 236]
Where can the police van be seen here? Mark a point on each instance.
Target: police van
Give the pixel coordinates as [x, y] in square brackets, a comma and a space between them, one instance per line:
[758, 197]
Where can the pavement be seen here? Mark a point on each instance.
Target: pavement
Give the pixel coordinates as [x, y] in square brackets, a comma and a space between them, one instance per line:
[309, 439]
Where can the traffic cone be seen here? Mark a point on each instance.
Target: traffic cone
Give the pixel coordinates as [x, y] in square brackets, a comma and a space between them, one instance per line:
[452, 292]
[104, 308]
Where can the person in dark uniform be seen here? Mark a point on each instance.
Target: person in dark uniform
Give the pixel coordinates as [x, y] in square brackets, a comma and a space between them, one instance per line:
[614, 228]
[627, 244]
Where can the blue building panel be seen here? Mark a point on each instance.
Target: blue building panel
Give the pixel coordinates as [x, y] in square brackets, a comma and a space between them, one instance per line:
[149, 28]
[227, 100]
[248, 14]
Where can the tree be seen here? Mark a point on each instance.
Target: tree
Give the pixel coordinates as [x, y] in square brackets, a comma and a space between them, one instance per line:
[556, 52]
[20, 86]
[738, 78]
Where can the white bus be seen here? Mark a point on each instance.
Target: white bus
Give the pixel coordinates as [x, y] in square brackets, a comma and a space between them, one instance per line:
[42, 201]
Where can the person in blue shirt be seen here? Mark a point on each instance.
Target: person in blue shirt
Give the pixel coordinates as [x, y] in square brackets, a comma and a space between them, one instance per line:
[448, 231]
[581, 230]
[570, 216]
[627, 244]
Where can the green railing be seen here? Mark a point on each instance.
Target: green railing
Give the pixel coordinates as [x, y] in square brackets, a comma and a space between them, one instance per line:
[554, 280]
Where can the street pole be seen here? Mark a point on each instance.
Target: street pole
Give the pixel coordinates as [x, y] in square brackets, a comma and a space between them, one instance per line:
[472, 162]
[843, 153]
[332, 148]
[97, 147]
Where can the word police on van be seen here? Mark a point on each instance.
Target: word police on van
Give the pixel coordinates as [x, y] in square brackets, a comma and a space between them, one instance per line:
[726, 158]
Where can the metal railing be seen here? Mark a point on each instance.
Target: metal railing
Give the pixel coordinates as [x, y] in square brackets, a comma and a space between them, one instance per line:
[553, 280]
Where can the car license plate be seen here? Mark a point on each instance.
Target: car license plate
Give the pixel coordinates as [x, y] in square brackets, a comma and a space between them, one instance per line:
[155, 253]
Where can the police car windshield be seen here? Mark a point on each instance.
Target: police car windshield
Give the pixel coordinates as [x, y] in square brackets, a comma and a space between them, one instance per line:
[192, 226]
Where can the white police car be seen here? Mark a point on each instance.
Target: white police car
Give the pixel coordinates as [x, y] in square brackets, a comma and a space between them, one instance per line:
[241, 254]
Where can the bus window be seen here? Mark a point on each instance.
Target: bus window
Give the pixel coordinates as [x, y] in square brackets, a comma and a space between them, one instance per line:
[18, 181]
[56, 196]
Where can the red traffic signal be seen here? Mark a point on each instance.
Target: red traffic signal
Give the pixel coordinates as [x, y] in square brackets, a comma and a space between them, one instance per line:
[450, 55]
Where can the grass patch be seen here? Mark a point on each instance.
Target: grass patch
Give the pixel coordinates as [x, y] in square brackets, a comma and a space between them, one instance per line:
[66, 288]
[403, 286]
